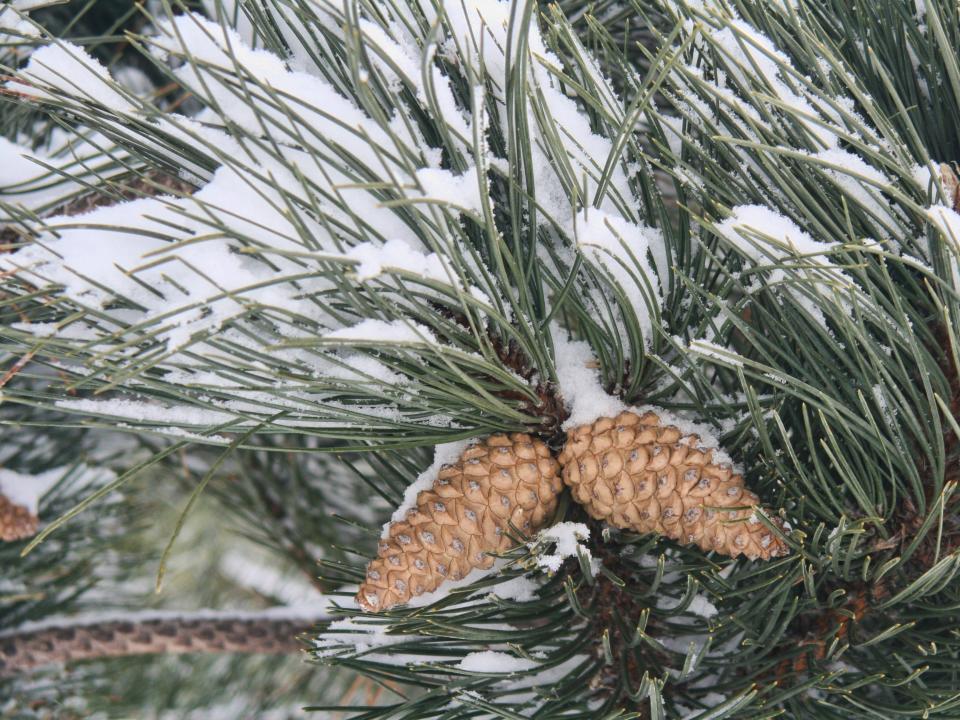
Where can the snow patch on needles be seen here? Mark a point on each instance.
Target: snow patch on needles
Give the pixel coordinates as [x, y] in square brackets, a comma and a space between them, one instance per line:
[861, 181]
[301, 176]
[178, 415]
[360, 634]
[358, 368]
[623, 248]
[396, 254]
[763, 234]
[751, 53]
[88, 77]
[521, 589]
[495, 663]
[26, 490]
[580, 387]
[568, 538]
[13, 25]
[716, 352]
[456, 190]
[466, 581]
[587, 401]
[769, 238]
[947, 221]
[751, 59]
[383, 332]
[702, 607]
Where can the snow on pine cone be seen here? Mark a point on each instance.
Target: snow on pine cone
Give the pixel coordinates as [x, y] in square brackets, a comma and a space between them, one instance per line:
[16, 521]
[502, 481]
[639, 475]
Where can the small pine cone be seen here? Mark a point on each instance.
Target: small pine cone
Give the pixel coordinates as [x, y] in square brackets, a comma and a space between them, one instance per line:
[639, 475]
[467, 514]
[951, 185]
[16, 521]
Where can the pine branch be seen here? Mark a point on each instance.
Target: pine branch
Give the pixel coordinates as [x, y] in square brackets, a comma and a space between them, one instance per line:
[801, 294]
[73, 639]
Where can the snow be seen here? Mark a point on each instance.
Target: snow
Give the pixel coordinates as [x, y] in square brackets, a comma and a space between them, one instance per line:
[710, 701]
[384, 332]
[858, 180]
[449, 586]
[947, 221]
[923, 176]
[263, 577]
[322, 114]
[73, 331]
[26, 181]
[312, 179]
[30, 489]
[544, 678]
[768, 237]
[587, 401]
[706, 434]
[622, 248]
[14, 26]
[568, 538]
[494, 663]
[53, 65]
[887, 411]
[479, 29]
[716, 352]
[521, 589]
[361, 367]
[763, 234]
[18, 164]
[752, 53]
[457, 190]
[178, 415]
[26, 490]
[395, 254]
[134, 79]
[579, 384]
[750, 62]
[702, 607]
[363, 633]
[673, 129]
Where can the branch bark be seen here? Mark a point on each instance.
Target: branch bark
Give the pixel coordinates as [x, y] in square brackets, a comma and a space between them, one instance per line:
[79, 639]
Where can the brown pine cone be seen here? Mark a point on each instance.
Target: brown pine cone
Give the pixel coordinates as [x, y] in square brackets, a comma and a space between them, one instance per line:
[639, 475]
[951, 185]
[16, 521]
[468, 513]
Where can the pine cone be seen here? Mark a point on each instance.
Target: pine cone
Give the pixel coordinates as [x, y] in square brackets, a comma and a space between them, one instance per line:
[16, 521]
[502, 481]
[639, 475]
[951, 185]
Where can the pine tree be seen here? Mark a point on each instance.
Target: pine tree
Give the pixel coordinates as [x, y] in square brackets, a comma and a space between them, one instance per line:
[408, 264]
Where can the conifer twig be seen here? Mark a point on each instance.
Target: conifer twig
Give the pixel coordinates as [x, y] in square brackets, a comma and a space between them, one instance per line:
[267, 633]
